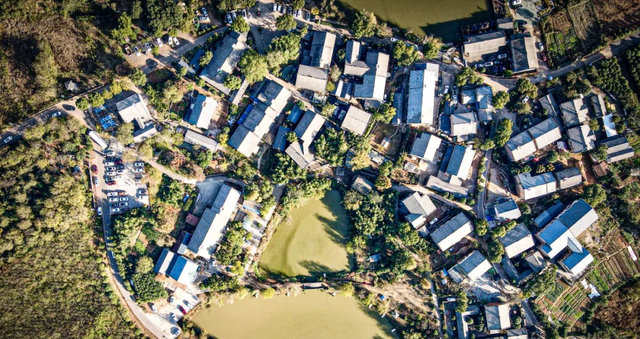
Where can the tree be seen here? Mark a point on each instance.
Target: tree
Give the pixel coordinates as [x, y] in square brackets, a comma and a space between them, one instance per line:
[462, 303]
[384, 113]
[364, 24]
[136, 10]
[500, 99]
[116, 87]
[432, 48]
[240, 25]
[361, 148]
[335, 73]
[503, 132]
[524, 208]
[144, 265]
[297, 4]
[328, 109]
[347, 290]
[524, 87]
[96, 99]
[232, 82]
[124, 133]
[82, 103]
[138, 77]
[594, 125]
[552, 156]
[292, 137]
[124, 29]
[286, 22]
[352, 200]
[495, 250]
[383, 183]
[182, 71]
[253, 66]
[45, 68]
[487, 145]
[600, 153]
[172, 94]
[467, 75]
[499, 232]
[205, 59]
[482, 226]
[268, 293]
[147, 288]
[594, 195]
[404, 54]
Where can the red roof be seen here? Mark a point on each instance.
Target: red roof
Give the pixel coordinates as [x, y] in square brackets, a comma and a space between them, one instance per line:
[192, 220]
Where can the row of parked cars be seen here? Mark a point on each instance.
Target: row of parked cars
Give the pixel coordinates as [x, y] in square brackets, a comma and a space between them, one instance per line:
[231, 16]
[147, 47]
[289, 10]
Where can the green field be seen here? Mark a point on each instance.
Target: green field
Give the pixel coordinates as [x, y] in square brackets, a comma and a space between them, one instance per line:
[312, 315]
[310, 242]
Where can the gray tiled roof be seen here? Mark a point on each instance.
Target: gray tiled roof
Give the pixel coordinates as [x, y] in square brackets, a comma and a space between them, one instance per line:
[463, 124]
[421, 98]
[574, 112]
[356, 120]
[322, 49]
[312, 78]
[581, 139]
[520, 146]
[473, 266]
[225, 58]
[523, 54]
[460, 161]
[517, 240]
[568, 177]
[545, 133]
[203, 110]
[133, 108]
[375, 79]
[481, 44]
[452, 231]
[426, 146]
[194, 138]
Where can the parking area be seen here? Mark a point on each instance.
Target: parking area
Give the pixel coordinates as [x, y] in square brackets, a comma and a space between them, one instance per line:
[170, 311]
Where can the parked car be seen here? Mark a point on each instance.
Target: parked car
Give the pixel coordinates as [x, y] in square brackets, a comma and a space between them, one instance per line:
[308, 16]
[540, 46]
[543, 55]
[138, 164]
[142, 191]
[147, 46]
[182, 309]
[99, 210]
[502, 56]
[229, 18]
[137, 180]
[282, 8]
[446, 89]
[114, 199]
[138, 169]
[298, 13]
[112, 194]
[233, 15]
[525, 99]
[120, 171]
[488, 64]
[56, 114]
[244, 13]
[275, 7]
[110, 168]
[115, 210]
[109, 163]
[94, 169]
[516, 2]
[124, 198]
[137, 50]
[95, 181]
[122, 193]
[110, 182]
[186, 303]
[175, 41]
[203, 19]
[8, 139]
[69, 108]
[153, 308]
[204, 11]
[122, 204]
[111, 174]
[159, 42]
[171, 300]
[175, 332]
[173, 317]
[118, 162]
[127, 50]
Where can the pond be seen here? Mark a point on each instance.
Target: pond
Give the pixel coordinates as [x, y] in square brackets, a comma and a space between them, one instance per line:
[310, 242]
[441, 18]
[311, 315]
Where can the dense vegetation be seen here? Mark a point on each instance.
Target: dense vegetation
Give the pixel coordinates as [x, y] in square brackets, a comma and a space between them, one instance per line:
[54, 280]
[612, 315]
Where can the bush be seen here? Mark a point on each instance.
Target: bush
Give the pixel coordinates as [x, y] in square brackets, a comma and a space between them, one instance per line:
[147, 288]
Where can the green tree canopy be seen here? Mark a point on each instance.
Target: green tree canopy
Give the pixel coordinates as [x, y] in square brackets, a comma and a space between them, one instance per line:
[253, 66]
[503, 132]
[404, 54]
[144, 265]
[432, 47]
[240, 25]
[138, 77]
[384, 113]
[500, 99]
[205, 59]
[600, 153]
[286, 22]
[124, 133]
[232, 82]
[482, 226]
[297, 4]
[364, 24]
[594, 195]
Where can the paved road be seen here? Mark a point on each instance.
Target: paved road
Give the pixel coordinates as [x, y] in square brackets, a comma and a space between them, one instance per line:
[482, 196]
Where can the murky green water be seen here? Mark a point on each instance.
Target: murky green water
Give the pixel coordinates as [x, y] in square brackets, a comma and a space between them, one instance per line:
[311, 315]
[310, 242]
[441, 18]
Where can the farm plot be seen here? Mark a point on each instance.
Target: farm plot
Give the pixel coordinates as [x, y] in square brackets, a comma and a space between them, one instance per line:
[585, 24]
[562, 42]
[615, 15]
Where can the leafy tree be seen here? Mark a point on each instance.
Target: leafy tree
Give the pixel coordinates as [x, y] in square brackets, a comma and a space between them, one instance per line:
[543, 284]
[172, 94]
[524, 208]
[240, 25]
[297, 4]
[292, 137]
[231, 246]
[594, 125]
[594, 195]
[524, 87]
[487, 145]
[332, 146]
[600, 153]
[384, 113]
[144, 265]
[286, 22]
[116, 87]
[383, 183]
[286, 170]
[482, 226]
[328, 109]
[96, 99]
[347, 290]
[467, 75]
[124, 133]
[220, 283]
[553, 156]
[462, 303]
[510, 225]
[352, 200]
[164, 15]
[138, 77]
[499, 232]
[495, 250]
[182, 71]
[253, 66]
[147, 288]
[136, 10]
[205, 59]
[335, 73]
[432, 47]
[232, 82]
[45, 68]
[404, 54]
[124, 29]
[364, 24]
[500, 99]
[268, 293]
[503, 132]
[361, 148]
[82, 103]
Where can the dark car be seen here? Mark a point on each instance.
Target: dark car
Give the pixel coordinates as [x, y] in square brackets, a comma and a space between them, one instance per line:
[69, 107]
[94, 169]
[182, 309]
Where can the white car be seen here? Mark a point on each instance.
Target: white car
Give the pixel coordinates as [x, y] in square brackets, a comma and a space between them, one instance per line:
[525, 99]
[123, 204]
[204, 11]
[175, 41]
[114, 199]
[56, 114]
[234, 15]
[488, 64]
[8, 139]
[279, 8]
[111, 174]
[110, 168]
[244, 13]
[446, 89]
[115, 210]
[112, 194]
[147, 46]
[502, 56]
[137, 50]
[516, 2]
[153, 308]
[109, 163]
[393, 39]
[138, 164]
[175, 332]
[159, 42]
[203, 19]
[138, 169]
[275, 7]
[173, 317]
[124, 198]
[172, 300]
[99, 210]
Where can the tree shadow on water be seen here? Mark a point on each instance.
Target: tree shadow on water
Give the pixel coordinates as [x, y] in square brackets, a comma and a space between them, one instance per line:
[383, 323]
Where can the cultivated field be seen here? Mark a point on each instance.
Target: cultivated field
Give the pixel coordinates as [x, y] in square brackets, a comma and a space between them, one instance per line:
[562, 42]
[615, 15]
[585, 23]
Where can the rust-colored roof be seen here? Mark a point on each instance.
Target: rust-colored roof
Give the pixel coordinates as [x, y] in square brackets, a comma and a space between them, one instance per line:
[192, 220]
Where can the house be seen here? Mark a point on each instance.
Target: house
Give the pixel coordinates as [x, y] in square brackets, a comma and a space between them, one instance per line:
[549, 105]
[422, 91]
[306, 130]
[269, 101]
[463, 124]
[374, 80]
[458, 162]
[568, 178]
[194, 138]
[517, 240]
[618, 148]
[213, 222]
[71, 86]
[181, 245]
[506, 210]
[581, 139]
[322, 46]
[425, 147]
[352, 64]
[133, 108]
[481, 99]
[195, 61]
[574, 112]
[202, 111]
[536, 262]
[344, 90]
[472, 267]
[523, 54]
[475, 47]
[497, 316]
[545, 133]
[548, 214]
[281, 139]
[225, 58]
[520, 146]
[599, 107]
[312, 78]
[362, 185]
[356, 121]
[609, 125]
[452, 231]
[440, 185]
[578, 216]
[417, 208]
[520, 333]
[145, 133]
[529, 187]
[176, 267]
[577, 261]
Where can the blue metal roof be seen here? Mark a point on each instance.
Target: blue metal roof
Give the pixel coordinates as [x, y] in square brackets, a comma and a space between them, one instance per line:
[281, 138]
[295, 114]
[244, 115]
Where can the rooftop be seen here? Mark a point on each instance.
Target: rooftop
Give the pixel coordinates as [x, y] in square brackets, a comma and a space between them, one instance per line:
[202, 112]
[422, 92]
[356, 120]
[473, 266]
[225, 58]
[312, 78]
[568, 177]
[545, 133]
[523, 54]
[194, 138]
[479, 45]
[133, 108]
[452, 231]
[497, 317]
[520, 146]
[426, 146]
[322, 49]
[517, 240]
[581, 139]
[463, 124]
[375, 79]
[460, 161]
[574, 112]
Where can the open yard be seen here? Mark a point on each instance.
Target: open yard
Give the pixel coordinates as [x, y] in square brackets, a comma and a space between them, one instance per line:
[615, 15]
